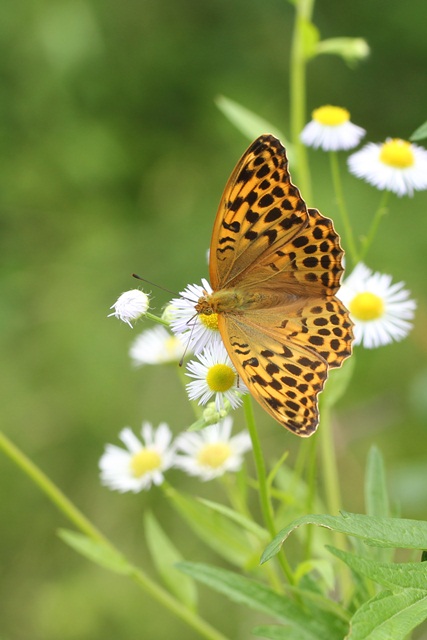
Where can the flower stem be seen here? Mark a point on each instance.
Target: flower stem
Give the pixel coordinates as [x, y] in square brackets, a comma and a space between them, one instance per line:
[51, 490]
[157, 319]
[380, 212]
[331, 482]
[329, 463]
[70, 511]
[304, 10]
[336, 180]
[264, 495]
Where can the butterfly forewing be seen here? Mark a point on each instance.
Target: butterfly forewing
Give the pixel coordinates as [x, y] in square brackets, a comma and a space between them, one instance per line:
[260, 208]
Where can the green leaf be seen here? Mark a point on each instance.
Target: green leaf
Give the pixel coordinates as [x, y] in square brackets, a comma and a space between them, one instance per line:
[274, 632]
[243, 522]
[420, 133]
[407, 575]
[389, 616]
[376, 495]
[338, 381]
[215, 529]
[310, 38]
[165, 555]
[378, 532]
[101, 554]
[248, 122]
[305, 624]
[323, 567]
[351, 50]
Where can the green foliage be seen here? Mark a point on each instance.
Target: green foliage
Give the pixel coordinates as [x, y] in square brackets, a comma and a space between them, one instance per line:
[420, 133]
[101, 554]
[165, 556]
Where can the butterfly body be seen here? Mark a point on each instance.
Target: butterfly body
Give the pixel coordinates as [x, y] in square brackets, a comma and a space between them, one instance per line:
[275, 267]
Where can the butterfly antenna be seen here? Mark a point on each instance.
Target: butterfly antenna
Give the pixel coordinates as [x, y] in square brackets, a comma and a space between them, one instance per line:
[180, 363]
[153, 284]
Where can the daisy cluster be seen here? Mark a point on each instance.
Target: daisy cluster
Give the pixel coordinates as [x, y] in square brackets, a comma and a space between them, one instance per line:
[393, 165]
[143, 461]
[213, 383]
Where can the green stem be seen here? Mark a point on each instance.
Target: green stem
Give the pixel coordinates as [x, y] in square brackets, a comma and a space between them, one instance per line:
[264, 495]
[331, 482]
[336, 180]
[304, 10]
[157, 319]
[51, 490]
[67, 508]
[311, 491]
[329, 463]
[380, 212]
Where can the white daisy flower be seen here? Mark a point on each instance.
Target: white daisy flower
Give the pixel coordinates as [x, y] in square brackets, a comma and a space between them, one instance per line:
[215, 376]
[331, 130]
[394, 165]
[142, 463]
[211, 452]
[381, 311]
[131, 305]
[195, 329]
[156, 346]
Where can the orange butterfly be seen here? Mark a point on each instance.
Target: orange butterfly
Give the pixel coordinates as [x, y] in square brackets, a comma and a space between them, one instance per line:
[275, 267]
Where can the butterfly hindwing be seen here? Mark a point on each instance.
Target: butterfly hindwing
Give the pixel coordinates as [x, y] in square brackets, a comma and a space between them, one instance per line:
[285, 377]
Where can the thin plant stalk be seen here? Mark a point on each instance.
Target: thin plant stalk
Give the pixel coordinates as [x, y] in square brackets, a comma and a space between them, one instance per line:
[304, 10]
[380, 212]
[264, 495]
[339, 196]
[72, 513]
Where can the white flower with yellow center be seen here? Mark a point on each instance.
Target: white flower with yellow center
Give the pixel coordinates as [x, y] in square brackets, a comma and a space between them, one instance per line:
[215, 377]
[131, 305]
[156, 346]
[331, 130]
[381, 311]
[212, 452]
[195, 329]
[142, 463]
[395, 165]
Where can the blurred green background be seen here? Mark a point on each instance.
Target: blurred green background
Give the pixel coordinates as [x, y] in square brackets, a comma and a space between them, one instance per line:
[113, 157]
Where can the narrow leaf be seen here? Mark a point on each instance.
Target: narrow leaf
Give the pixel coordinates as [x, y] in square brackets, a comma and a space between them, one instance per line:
[338, 381]
[420, 133]
[305, 624]
[310, 38]
[165, 556]
[248, 122]
[404, 575]
[376, 495]
[378, 532]
[214, 528]
[389, 616]
[101, 554]
[245, 523]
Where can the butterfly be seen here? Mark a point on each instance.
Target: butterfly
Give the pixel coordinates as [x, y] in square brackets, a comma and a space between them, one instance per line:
[275, 267]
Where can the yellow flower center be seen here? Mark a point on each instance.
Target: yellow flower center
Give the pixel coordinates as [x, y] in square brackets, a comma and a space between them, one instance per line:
[210, 320]
[331, 116]
[214, 455]
[220, 377]
[397, 153]
[144, 461]
[366, 306]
